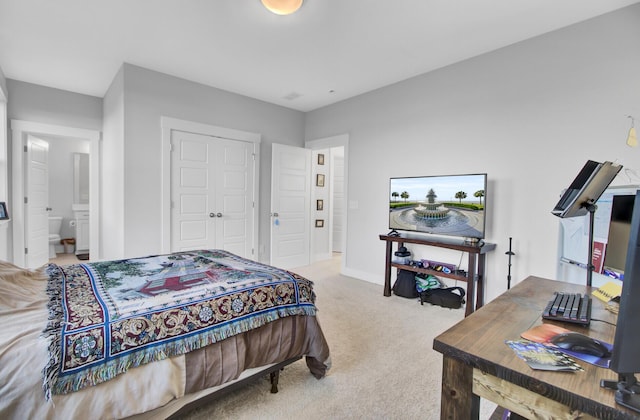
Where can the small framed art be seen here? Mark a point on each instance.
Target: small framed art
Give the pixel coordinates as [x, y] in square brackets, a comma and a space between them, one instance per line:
[319, 205]
[320, 180]
[320, 159]
[4, 214]
[319, 223]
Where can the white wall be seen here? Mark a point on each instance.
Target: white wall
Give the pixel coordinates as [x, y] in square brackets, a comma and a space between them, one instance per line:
[529, 115]
[112, 183]
[148, 96]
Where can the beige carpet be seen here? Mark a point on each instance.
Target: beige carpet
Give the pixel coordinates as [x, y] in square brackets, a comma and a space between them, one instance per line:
[384, 366]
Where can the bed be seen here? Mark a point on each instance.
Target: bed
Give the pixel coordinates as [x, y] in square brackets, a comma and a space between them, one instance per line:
[148, 337]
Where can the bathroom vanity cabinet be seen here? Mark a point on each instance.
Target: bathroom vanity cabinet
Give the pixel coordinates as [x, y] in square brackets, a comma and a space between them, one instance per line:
[82, 232]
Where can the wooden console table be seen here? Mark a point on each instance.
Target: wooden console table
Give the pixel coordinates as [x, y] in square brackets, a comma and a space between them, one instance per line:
[477, 363]
[475, 269]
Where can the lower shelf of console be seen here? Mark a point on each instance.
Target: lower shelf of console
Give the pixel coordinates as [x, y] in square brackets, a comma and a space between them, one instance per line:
[429, 271]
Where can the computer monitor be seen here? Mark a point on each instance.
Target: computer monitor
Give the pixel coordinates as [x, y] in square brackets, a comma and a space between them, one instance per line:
[625, 357]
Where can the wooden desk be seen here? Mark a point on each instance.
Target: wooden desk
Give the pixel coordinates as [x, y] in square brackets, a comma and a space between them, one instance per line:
[477, 362]
[475, 269]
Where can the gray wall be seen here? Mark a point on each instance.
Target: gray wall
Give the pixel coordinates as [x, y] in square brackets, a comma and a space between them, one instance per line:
[529, 115]
[53, 106]
[112, 234]
[5, 245]
[3, 84]
[148, 96]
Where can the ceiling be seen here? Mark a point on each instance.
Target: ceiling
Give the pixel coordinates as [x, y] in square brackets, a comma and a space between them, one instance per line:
[328, 51]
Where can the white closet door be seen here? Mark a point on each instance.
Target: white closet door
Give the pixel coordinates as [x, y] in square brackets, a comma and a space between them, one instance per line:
[211, 193]
[234, 196]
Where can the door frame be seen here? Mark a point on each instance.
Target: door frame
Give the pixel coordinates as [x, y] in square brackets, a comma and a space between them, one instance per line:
[341, 140]
[20, 130]
[169, 124]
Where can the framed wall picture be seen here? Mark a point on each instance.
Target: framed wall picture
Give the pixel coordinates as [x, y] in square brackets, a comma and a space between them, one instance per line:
[4, 214]
[320, 180]
[319, 223]
[320, 159]
[319, 205]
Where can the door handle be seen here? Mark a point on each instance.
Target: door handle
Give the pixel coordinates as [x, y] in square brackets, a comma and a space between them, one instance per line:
[212, 215]
[219, 214]
[274, 214]
[48, 209]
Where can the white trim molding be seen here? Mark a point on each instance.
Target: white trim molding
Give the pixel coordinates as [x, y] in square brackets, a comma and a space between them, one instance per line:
[19, 131]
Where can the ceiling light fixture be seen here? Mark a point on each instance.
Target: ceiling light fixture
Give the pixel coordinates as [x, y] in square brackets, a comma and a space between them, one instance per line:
[282, 7]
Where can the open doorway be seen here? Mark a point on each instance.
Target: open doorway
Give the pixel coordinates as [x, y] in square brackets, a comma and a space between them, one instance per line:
[23, 134]
[330, 157]
[69, 238]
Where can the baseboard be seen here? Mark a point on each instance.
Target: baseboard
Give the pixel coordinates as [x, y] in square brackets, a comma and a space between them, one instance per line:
[363, 275]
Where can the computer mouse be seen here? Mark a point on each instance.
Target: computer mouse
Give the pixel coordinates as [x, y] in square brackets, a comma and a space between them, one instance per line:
[580, 343]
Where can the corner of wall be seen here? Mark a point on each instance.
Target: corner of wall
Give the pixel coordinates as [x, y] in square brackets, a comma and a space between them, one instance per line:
[5, 239]
[112, 186]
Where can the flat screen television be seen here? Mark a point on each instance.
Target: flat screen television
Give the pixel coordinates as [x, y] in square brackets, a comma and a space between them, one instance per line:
[448, 205]
[625, 357]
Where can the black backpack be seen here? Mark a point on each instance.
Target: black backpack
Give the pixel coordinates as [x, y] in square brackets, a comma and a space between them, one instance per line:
[405, 284]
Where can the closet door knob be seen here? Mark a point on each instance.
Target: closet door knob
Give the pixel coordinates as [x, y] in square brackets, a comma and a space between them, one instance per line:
[219, 214]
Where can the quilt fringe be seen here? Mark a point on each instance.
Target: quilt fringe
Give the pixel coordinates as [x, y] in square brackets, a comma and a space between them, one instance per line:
[53, 383]
[53, 328]
[99, 374]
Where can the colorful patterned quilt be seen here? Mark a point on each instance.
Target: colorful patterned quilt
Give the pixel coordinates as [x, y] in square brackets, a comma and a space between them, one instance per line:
[108, 317]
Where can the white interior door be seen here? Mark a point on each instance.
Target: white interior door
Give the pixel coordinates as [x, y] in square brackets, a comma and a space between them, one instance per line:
[37, 203]
[211, 193]
[290, 206]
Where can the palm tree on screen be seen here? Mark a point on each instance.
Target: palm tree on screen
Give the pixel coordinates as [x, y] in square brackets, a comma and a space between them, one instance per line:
[479, 194]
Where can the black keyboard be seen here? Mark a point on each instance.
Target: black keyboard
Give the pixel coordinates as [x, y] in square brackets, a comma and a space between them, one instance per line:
[569, 307]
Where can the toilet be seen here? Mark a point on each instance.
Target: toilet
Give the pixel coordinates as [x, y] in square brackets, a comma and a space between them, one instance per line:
[55, 223]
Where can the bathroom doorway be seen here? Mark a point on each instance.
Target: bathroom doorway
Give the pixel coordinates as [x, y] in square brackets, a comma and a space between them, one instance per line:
[64, 144]
[69, 195]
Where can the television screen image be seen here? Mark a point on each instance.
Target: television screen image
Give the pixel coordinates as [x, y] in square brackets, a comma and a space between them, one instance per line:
[450, 205]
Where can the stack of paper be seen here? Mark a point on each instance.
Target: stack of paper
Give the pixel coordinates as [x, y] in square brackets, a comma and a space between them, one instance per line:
[608, 292]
